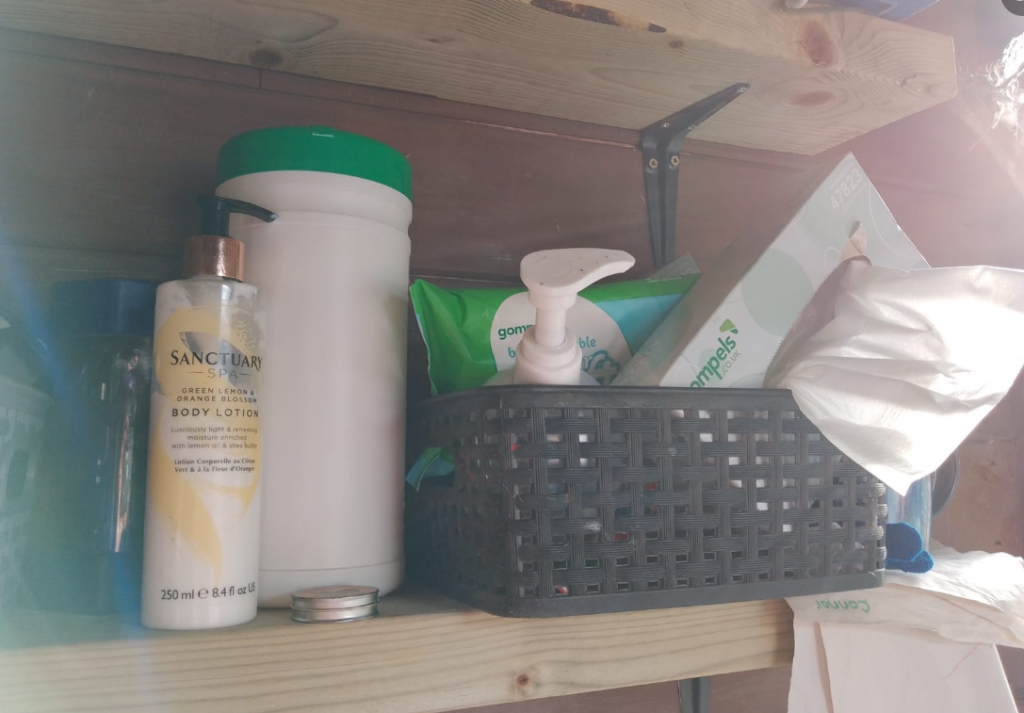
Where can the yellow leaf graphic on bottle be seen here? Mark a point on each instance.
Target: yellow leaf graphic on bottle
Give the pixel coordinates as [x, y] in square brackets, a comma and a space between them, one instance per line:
[205, 453]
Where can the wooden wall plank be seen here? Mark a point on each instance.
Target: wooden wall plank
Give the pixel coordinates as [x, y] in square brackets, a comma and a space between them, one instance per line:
[985, 512]
[763, 691]
[817, 80]
[482, 193]
[127, 110]
[27, 274]
[81, 51]
[959, 230]
[656, 698]
[939, 152]
[486, 194]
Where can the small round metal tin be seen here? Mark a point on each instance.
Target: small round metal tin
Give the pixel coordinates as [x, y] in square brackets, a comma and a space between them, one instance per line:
[340, 603]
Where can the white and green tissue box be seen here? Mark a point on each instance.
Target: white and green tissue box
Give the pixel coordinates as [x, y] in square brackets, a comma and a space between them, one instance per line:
[727, 330]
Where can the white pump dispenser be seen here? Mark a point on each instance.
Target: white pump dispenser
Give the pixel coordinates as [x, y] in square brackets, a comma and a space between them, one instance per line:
[549, 353]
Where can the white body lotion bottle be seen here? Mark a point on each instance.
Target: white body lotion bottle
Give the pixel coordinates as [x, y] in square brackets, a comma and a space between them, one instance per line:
[201, 552]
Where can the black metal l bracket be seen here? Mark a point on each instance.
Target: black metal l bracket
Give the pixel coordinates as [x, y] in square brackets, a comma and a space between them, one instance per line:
[695, 695]
[661, 143]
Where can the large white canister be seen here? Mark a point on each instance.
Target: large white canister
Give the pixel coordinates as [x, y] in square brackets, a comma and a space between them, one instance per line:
[333, 275]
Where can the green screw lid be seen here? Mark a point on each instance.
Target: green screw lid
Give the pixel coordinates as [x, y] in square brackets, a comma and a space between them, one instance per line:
[314, 148]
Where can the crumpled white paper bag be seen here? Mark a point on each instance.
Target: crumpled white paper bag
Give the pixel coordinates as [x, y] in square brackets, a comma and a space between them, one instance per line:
[910, 363]
[876, 670]
[919, 644]
[971, 597]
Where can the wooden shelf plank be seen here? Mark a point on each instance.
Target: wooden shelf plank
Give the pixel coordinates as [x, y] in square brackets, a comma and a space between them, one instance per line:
[424, 653]
[818, 79]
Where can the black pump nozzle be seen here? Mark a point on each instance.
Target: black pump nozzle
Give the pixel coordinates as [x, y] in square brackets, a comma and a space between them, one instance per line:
[216, 212]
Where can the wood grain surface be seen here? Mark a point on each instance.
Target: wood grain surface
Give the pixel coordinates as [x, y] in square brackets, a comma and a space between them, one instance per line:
[414, 658]
[817, 79]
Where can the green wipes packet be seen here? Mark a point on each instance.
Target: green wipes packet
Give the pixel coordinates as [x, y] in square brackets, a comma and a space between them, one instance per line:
[473, 334]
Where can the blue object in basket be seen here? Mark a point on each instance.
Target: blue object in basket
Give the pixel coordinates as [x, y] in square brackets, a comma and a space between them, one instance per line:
[914, 508]
[905, 549]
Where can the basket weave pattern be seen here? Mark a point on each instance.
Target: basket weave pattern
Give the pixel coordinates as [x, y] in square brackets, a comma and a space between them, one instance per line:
[569, 494]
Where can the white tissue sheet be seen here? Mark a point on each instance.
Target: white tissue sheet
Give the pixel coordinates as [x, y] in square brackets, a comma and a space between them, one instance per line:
[911, 362]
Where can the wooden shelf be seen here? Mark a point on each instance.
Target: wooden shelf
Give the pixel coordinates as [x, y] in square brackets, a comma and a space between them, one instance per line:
[424, 653]
[818, 79]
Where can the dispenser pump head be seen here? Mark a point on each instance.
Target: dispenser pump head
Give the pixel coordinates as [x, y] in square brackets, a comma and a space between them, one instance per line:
[216, 214]
[213, 251]
[549, 353]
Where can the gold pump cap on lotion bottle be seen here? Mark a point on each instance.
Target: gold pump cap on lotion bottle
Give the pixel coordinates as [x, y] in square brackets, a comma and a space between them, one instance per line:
[213, 252]
[214, 255]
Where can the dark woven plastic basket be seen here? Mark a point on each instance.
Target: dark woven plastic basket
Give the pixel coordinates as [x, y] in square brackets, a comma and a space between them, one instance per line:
[588, 500]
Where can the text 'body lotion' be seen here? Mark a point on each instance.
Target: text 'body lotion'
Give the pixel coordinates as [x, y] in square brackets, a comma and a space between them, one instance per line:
[201, 555]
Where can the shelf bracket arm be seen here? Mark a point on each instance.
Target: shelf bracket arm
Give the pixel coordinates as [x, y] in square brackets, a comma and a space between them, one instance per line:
[661, 144]
[695, 695]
